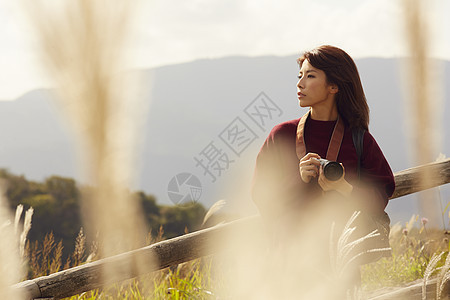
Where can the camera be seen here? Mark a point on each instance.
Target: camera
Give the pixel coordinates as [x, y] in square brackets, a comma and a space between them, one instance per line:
[332, 170]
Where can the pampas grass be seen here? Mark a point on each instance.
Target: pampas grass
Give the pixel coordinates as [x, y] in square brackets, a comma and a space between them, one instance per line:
[84, 47]
[431, 268]
[417, 41]
[212, 210]
[10, 264]
[341, 253]
[19, 210]
[80, 247]
[443, 277]
[423, 99]
[26, 229]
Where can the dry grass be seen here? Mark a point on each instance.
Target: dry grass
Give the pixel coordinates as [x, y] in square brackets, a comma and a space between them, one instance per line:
[83, 44]
[10, 262]
[45, 258]
[343, 254]
[423, 97]
[417, 250]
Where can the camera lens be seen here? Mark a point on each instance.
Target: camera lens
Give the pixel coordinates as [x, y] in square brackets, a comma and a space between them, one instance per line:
[332, 170]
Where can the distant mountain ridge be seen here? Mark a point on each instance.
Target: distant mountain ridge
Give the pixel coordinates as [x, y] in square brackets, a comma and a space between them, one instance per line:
[192, 104]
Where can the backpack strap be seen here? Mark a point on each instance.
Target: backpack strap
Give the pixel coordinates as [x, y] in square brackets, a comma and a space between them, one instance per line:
[358, 142]
[379, 222]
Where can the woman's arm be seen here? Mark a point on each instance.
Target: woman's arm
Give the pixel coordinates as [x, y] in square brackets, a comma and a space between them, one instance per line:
[377, 182]
[276, 181]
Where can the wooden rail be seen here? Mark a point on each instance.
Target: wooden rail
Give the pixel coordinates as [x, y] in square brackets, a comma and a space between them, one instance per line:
[188, 247]
[142, 261]
[411, 292]
[408, 181]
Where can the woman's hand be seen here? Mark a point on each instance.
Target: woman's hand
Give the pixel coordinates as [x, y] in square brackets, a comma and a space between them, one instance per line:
[341, 185]
[309, 167]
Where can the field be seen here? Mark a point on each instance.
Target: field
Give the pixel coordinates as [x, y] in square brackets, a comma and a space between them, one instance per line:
[417, 252]
[104, 107]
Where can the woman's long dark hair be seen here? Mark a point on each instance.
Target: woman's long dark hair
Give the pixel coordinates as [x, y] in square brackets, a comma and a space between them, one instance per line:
[341, 70]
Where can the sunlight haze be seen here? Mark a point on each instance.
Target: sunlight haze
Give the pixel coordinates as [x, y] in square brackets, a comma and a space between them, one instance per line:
[170, 32]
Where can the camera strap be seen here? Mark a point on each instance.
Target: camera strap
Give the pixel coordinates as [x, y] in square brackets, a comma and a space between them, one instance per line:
[333, 146]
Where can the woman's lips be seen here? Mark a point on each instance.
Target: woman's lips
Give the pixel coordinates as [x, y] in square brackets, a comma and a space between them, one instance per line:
[300, 95]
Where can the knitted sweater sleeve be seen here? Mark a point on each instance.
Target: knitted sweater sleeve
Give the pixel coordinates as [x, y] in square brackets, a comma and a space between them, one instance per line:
[376, 177]
[276, 180]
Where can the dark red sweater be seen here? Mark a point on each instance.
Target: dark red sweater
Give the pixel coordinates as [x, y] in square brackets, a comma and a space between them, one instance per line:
[277, 185]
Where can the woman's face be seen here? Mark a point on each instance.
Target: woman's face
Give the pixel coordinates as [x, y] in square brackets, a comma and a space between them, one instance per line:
[312, 87]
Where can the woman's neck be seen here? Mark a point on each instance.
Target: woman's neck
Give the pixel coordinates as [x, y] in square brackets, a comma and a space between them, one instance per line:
[324, 114]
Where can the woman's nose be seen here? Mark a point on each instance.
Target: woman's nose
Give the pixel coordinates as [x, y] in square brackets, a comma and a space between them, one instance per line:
[300, 84]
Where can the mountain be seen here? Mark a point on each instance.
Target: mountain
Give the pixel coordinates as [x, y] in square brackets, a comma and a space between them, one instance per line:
[212, 109]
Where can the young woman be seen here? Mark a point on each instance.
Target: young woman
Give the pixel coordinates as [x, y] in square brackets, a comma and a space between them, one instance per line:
[289, 183]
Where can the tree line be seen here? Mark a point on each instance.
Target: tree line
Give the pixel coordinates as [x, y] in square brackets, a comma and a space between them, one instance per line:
[56, 203]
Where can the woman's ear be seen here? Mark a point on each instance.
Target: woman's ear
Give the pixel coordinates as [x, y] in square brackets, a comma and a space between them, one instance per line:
[334, 88]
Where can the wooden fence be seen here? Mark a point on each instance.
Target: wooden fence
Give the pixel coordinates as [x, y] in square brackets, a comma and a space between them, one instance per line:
[194, 245]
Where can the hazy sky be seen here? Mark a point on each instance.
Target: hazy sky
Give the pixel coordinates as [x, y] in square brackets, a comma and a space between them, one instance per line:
[173, 31]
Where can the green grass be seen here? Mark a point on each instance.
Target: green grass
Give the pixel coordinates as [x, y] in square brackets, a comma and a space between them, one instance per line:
[189, 280]
[411, 253]
[197, 280]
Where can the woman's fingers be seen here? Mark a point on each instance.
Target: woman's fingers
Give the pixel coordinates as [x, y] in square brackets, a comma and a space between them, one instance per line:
[309, 166]
[309, 156]
[308, 172]
[310, 159]
[311, 173]
[341, 185]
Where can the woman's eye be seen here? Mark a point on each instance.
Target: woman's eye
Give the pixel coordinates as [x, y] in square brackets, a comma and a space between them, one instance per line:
[309, 76]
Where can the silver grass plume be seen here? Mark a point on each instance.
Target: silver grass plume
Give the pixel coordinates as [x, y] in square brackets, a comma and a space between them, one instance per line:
[213, 209]
[10, 265]
[443, 277]
[19, 210]
[341, 255]
[431, 267]
[84, 45]
[24, 233]
[423, 99]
